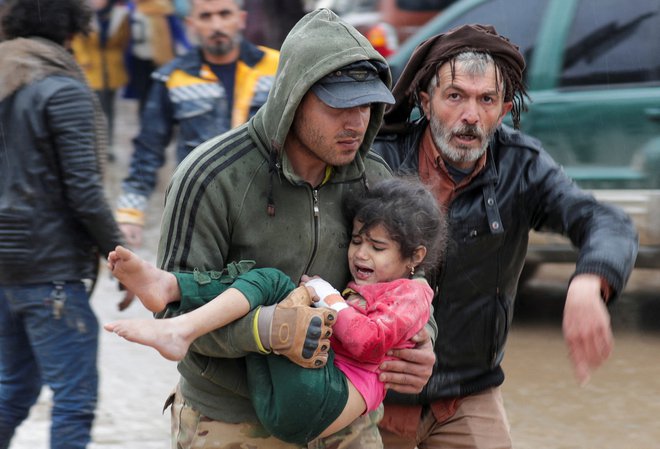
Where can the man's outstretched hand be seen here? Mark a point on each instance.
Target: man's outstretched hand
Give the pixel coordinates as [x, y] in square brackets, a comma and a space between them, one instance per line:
[586, 326]
[412, 371]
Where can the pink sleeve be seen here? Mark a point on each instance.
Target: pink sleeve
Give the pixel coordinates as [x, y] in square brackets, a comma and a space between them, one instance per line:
[395, 312]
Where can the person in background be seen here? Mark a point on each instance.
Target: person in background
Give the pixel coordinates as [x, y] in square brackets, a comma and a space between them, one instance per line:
[54, 221]
[100, 53]
[157, 36]
[271, 191]
[497, 185]
[211, 89]
[2, 35]
[269, 22]
[181, 7]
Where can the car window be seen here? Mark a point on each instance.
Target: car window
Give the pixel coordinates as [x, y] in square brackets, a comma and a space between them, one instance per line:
[500, 14]
[613, 42]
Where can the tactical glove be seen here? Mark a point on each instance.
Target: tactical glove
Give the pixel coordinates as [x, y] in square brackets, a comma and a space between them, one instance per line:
[300, 332]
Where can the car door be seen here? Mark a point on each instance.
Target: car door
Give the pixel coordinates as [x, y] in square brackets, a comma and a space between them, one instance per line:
[594, 81]
[595, 86]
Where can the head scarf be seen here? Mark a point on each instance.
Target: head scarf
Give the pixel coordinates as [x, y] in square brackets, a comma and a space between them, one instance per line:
[435, 51]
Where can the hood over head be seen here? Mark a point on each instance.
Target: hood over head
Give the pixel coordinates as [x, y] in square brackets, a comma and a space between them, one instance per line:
[319, 45]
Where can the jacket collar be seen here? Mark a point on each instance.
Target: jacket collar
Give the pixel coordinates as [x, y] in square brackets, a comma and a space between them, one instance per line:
[193, 61]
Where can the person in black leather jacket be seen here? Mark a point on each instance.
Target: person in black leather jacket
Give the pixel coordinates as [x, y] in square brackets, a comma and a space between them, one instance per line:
[54, 221]
[497, 184]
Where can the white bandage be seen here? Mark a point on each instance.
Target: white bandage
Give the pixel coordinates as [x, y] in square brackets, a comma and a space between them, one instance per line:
[339, 306]
[323, 289]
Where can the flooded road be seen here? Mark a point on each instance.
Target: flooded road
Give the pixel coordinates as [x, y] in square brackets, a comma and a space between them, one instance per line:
[620, 407]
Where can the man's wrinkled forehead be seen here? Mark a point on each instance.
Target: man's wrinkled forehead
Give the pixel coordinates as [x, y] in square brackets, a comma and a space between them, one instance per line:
[458, 72]
[213, 6]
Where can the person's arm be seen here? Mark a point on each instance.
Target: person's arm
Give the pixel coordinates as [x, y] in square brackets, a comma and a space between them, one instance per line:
[586, 325]
[195, 234]
[71, 119]
[260, 286]
[395, 316]
[412, 367]
[148, 157]
[402, 306]
[604, 235]
[607, 243]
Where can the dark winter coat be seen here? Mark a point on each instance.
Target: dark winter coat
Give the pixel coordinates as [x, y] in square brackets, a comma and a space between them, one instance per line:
[54, 219]
[521, 188]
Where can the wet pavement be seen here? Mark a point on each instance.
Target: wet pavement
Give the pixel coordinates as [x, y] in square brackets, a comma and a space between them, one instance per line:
[618, 409]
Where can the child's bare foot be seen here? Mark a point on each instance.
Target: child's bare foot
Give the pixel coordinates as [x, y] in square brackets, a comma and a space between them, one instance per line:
[155, 288]
[162, 335]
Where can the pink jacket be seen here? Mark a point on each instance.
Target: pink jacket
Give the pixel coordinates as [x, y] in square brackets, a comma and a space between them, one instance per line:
[386, 317]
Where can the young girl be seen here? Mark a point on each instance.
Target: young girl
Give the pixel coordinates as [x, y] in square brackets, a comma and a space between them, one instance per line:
[397, 228]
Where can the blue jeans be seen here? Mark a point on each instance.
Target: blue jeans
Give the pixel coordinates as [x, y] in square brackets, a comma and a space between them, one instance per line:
[48, 336]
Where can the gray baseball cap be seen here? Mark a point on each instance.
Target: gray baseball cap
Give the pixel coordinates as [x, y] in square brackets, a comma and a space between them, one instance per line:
[353, 85]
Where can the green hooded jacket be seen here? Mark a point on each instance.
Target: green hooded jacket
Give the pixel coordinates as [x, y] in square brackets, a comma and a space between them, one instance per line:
[220, 203]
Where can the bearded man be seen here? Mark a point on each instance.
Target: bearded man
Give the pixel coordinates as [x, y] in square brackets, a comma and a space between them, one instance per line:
[213, 88]
[497, 184]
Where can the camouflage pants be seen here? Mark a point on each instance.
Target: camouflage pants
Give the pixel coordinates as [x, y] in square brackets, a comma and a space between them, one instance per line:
[192, 430]
[361, 434]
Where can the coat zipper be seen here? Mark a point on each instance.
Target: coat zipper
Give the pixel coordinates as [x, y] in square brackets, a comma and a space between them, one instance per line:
[315, 206]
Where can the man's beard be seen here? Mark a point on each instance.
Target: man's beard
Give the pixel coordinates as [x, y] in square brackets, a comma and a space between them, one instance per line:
[459, 153]
[224, 47]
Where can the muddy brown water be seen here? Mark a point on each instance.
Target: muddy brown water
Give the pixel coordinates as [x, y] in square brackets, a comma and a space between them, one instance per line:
[620, 407]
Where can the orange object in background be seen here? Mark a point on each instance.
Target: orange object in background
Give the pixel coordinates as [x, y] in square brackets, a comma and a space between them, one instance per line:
[384, 38]
[386, 23]
[406, 21]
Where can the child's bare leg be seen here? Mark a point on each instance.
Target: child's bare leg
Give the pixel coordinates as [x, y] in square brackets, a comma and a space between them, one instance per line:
[173, 336]
[156, 288]
[354, 408]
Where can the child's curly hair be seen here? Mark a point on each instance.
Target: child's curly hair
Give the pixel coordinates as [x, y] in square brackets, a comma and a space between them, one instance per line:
[409, 212]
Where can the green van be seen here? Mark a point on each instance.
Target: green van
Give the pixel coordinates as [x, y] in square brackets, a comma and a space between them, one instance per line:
[593, 75]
